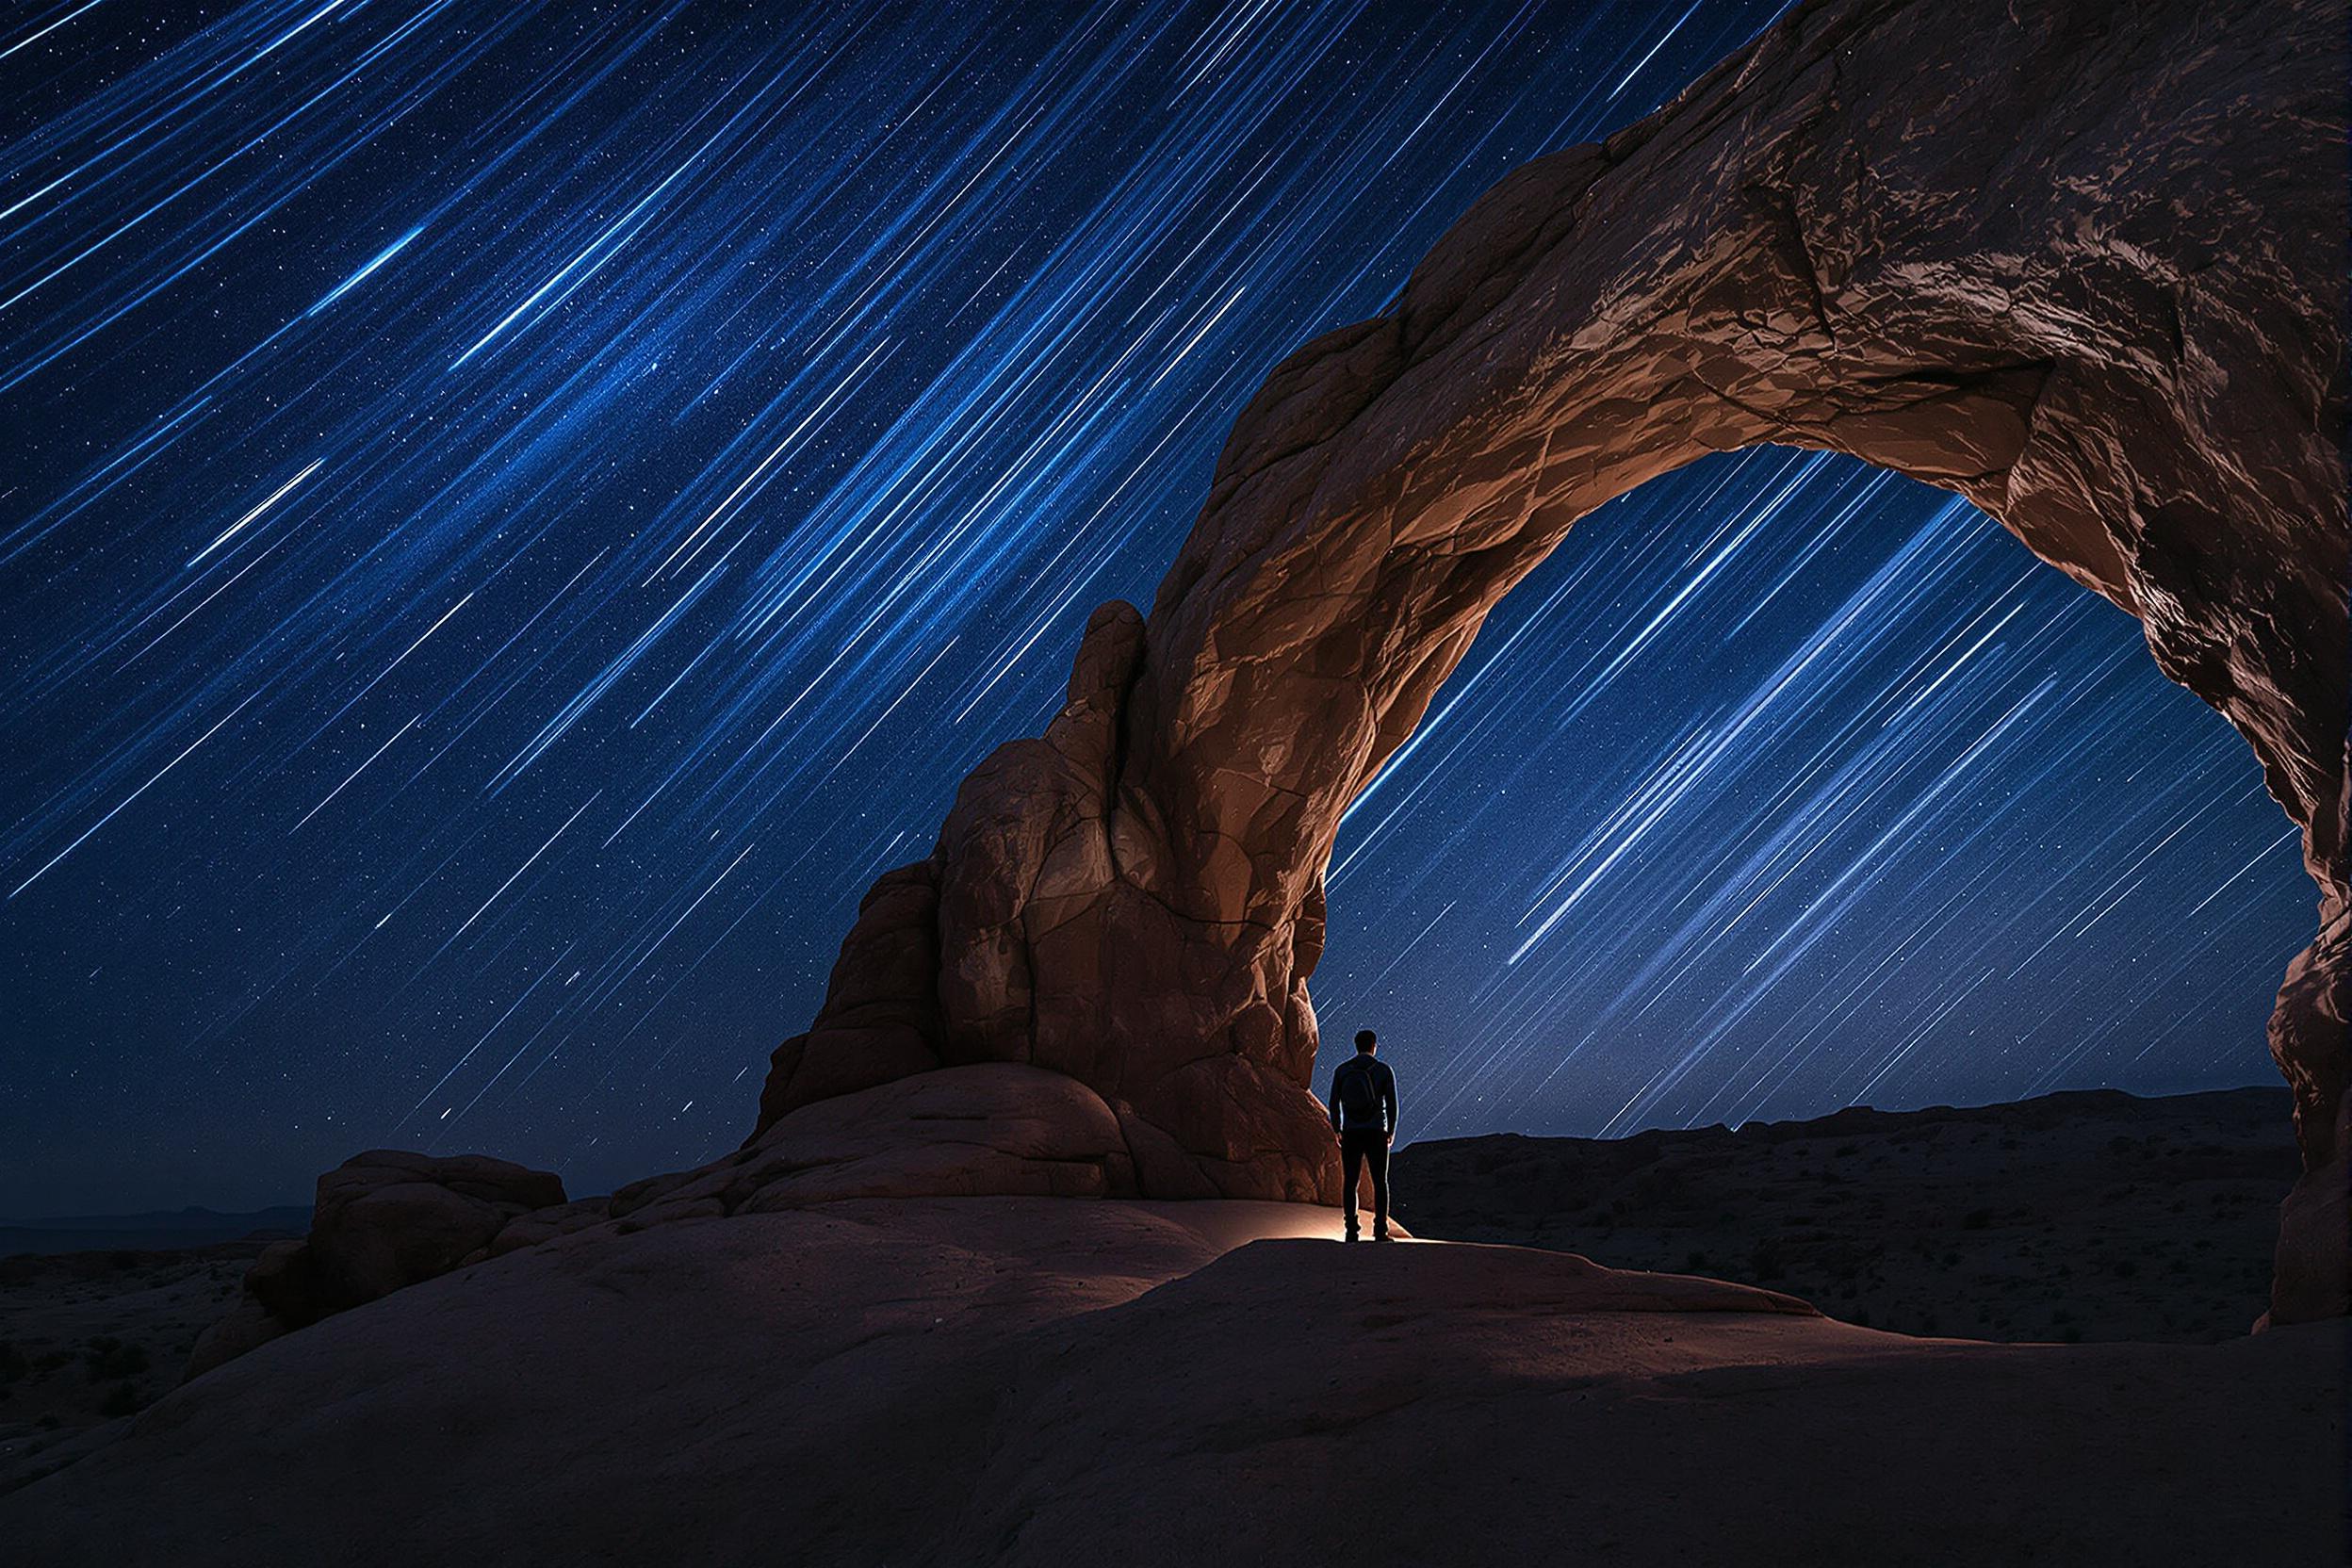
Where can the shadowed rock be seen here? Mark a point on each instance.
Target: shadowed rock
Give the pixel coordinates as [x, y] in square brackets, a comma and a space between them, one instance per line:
[2082, 264]
[386, 1220]
[383, 1220]
[1014, 1381]
[985, 1130]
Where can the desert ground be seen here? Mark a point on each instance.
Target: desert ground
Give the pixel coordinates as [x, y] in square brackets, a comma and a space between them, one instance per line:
[89, 1337]
[1050, 1381]
[2095, 1215]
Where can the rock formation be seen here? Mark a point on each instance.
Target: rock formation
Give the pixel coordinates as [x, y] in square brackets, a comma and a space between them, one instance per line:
[2081, 263]
[2078, 261]
[937, 1382]
[990, 1129]
[383, 1220]
[389, 1219]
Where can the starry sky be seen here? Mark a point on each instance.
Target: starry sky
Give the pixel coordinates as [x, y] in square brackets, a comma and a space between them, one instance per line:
[510, 515]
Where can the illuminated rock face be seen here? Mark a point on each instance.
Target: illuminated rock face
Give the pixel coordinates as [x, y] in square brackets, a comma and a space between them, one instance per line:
[2079, 263]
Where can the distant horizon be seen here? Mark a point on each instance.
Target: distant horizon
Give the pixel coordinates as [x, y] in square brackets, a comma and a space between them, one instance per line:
[2285, 1136]
[36, 1222]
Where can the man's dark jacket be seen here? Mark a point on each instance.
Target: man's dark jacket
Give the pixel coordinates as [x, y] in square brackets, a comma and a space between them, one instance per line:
[1384, 1088]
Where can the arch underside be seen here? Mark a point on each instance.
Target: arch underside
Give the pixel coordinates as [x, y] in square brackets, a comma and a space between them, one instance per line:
[2080, 265]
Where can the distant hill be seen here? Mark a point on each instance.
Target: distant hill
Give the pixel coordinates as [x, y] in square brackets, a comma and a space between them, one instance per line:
[159, 1231]
[2096, 1216]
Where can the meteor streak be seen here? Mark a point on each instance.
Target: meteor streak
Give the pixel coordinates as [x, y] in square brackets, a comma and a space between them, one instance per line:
[742, 419]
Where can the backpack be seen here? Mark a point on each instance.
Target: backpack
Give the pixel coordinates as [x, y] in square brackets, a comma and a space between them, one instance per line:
[1360, 1101]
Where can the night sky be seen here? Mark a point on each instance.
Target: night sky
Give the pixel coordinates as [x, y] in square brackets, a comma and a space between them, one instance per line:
[510, 516]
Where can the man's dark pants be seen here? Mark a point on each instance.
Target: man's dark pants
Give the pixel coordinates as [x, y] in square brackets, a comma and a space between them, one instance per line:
[1358, 1148]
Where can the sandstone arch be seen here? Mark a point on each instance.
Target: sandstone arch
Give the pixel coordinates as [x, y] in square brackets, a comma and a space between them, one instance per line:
[2079, 262]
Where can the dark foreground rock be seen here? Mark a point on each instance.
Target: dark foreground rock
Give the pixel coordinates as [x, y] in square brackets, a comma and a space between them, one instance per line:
[1055, 1381]
[2094, 1216]
[389, 1219]
[383, 1220]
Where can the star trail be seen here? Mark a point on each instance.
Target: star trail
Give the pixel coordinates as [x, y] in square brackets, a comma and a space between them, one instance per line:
[513, 515]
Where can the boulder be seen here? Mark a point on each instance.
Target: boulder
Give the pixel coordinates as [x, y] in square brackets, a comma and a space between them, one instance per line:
[383, 1220]
[389, 1218]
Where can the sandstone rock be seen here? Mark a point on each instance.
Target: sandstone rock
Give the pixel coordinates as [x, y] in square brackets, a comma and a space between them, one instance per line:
[1018, 1381]
[383, 1220]
[2083, 264]
[388, 1219]
[995, 1128]
[988, 1128]
[282, 1285]
[2314, 1278]
[245, 1326]
[557, 1220]
[881, 1019]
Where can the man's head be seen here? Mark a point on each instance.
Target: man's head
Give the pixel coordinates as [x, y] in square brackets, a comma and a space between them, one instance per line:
[1366, 1041]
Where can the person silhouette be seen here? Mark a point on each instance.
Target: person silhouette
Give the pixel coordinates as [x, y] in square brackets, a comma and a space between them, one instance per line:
[1364, 1115]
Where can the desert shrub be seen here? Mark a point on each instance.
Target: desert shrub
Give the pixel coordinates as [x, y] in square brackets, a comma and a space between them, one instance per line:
[121, 1400]
[12, 1364]
[1976, 1220]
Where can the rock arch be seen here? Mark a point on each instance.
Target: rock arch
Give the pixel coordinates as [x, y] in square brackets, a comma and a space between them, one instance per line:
[2082, 263]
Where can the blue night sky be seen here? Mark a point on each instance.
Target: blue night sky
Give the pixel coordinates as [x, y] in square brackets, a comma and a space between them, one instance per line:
[510, 515]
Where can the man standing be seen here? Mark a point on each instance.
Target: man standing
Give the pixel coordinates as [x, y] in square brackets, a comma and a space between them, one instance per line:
[1364, 1114]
